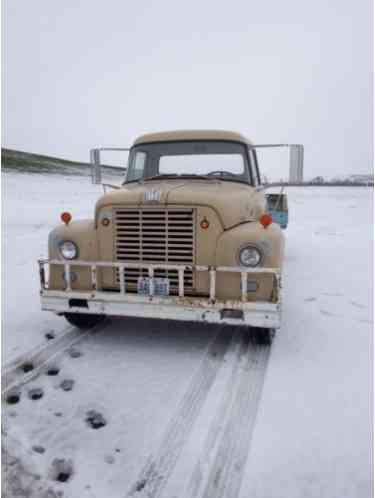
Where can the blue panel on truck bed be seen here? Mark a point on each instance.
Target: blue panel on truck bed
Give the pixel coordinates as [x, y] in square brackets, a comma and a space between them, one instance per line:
[279, 217]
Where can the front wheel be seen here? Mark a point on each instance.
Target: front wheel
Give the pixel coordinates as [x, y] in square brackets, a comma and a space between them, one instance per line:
[83, 320]
[261, 336]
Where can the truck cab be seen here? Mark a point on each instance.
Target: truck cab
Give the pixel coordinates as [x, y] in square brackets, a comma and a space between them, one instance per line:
[187, 236]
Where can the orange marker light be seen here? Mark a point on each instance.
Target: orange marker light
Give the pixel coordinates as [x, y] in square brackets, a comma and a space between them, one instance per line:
[66, 217]
[205, 223]
[265, 220]
[105, 222]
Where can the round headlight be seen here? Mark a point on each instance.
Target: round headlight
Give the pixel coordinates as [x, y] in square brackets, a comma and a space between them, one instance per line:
[68, 249]
[250, 256]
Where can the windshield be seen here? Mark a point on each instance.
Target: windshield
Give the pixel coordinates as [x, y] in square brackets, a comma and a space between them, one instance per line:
[210, 159]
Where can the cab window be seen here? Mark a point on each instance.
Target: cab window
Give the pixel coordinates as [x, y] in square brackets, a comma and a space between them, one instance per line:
[137, 166]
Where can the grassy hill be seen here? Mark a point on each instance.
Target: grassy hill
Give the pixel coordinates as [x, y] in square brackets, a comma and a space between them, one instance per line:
[16, 160]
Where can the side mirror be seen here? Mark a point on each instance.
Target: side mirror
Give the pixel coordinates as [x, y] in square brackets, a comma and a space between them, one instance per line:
[295, 159]
[296, 164]
[96, 171]
[96, 166]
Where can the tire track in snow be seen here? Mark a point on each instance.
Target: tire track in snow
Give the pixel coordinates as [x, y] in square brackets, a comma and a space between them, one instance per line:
[207, 454]
[12, 375]
[226, 472]
[158, 467]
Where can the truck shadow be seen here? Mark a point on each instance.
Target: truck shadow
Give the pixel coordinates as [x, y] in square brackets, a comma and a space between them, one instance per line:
[166, 335]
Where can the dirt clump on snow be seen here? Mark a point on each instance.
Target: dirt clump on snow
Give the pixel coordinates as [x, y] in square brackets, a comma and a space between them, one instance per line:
[95, 419]
[61, 469]
[13, 397]
[74, 353]
[38, 449]
[67, 384]
[36, 393]
[27, 367]
[53, 371]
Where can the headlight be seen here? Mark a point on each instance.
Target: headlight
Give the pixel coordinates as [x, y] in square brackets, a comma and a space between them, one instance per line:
[250, 256]
[68, 249]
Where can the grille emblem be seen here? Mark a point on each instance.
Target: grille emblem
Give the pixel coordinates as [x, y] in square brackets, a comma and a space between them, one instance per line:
[152, 196]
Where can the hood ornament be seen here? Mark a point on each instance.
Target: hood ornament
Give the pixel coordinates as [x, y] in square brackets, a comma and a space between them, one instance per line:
[152, 196]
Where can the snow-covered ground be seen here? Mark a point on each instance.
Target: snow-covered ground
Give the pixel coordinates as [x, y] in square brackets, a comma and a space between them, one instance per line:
[31, 207]
[312, 432]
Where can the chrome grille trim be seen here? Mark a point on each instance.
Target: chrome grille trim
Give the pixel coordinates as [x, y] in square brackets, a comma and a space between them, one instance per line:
[152, 236]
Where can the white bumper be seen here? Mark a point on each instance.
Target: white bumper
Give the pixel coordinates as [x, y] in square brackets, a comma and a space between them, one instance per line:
[210, 309]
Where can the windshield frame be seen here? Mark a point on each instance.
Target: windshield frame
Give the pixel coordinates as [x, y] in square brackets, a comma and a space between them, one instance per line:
[249, 165]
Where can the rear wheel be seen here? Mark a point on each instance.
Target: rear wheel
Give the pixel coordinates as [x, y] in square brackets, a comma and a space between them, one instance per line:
[261, 336]
[83, 320]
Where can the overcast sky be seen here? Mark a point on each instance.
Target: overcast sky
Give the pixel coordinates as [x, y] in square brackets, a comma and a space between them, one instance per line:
[80, 73]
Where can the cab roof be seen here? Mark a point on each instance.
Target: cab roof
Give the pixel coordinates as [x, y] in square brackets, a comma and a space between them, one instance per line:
[191, 135]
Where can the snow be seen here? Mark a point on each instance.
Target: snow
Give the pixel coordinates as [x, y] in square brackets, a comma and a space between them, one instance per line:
[313, 435]
[312, 432]
[31, 206]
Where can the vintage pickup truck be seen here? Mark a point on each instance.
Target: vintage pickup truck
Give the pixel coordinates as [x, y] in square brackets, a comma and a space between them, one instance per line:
[186, 236]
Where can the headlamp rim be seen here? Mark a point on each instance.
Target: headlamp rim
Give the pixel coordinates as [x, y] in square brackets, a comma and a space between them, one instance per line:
[250, 245]
[62, 242]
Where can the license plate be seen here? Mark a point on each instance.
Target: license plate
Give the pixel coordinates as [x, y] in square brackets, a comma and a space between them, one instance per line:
[161, 286]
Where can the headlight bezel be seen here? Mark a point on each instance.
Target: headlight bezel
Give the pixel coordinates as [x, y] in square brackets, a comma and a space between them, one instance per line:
[61, 245]
[249, 245]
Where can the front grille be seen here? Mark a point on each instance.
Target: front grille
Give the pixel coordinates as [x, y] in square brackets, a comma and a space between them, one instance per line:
[155, 236]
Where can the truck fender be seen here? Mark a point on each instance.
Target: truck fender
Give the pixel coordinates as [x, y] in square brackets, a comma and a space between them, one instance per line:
[270, 241]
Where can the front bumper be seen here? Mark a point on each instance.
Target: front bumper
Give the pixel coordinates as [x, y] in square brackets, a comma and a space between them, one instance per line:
[181, 307]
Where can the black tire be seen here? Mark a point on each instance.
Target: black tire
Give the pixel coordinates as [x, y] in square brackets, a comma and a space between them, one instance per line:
[83, 320]
[261, 336]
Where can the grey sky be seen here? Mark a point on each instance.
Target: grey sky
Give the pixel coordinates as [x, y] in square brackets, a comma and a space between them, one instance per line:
[80, 73]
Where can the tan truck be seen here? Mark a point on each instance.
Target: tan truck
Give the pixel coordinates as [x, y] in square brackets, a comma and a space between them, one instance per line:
[185, 237]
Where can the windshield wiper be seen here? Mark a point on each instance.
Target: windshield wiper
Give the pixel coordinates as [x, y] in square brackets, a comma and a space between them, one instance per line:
[167, 175]
[230, 179]
[132, 181]
[174, 175]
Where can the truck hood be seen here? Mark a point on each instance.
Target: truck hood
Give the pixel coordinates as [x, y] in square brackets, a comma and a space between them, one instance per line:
[233, 202]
